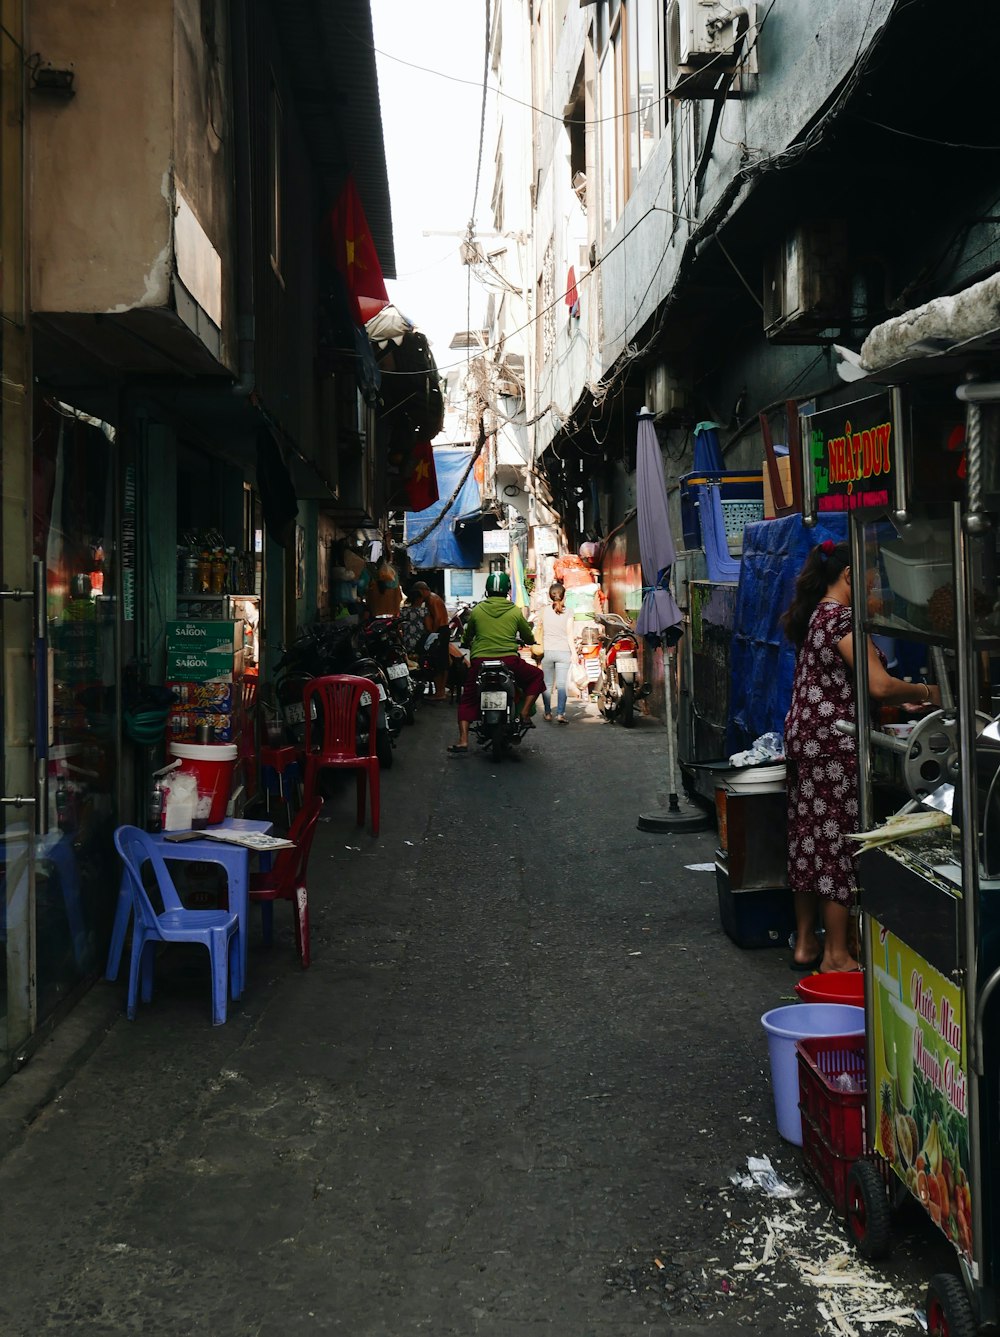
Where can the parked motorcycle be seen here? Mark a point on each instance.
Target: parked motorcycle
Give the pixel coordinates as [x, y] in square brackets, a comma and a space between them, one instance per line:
[618, 686]
[498, 727]
[383, 642]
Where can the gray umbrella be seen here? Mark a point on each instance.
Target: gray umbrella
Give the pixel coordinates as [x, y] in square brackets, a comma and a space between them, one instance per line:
[659, 610]
[659, 615]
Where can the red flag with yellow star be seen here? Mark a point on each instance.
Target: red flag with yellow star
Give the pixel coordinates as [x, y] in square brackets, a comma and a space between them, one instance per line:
[422, 484]
[355, 256]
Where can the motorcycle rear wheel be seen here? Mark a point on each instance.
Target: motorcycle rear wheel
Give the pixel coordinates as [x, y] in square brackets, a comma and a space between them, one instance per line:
[498, 741]
[626, 705]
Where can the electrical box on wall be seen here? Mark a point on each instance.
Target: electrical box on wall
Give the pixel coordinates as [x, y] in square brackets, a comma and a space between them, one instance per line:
[705, 40]
[806, 286]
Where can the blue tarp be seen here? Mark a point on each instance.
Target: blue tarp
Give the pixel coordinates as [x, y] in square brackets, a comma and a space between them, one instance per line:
[762, 658]
[444, 546]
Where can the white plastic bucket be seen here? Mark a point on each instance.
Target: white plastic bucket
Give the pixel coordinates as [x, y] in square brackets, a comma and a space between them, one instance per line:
[212, 765]
[801, 1021]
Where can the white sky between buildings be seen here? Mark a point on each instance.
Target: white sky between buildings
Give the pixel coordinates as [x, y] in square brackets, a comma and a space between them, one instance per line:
[431, 131]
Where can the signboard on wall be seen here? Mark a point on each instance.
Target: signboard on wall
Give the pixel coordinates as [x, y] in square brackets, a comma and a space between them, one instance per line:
[850, 453]
[546, 541]
[496, 540]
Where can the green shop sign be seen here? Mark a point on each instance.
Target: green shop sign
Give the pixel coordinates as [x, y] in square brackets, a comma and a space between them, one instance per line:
[851, 453]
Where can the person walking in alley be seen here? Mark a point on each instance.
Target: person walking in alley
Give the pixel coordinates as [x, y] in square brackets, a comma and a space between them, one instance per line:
[558, 651]
[436, 643]
[494, 630]
[821, 761]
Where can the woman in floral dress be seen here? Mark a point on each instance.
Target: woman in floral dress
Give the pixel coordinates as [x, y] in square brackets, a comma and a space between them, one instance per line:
[821, 761]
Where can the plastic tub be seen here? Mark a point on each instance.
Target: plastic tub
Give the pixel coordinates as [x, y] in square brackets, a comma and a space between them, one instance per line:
[915, 578]
[786, 1025]
[846, 986]
[212, 765]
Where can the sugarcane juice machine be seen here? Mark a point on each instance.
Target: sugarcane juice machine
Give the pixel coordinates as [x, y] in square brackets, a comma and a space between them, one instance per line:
[923, 530]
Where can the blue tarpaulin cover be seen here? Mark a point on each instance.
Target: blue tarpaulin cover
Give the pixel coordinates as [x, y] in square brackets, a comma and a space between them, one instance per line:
[445, 546]
[762, 658]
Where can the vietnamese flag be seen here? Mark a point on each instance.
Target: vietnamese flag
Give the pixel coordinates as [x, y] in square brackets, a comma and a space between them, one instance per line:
[355, 256]
[422, 484]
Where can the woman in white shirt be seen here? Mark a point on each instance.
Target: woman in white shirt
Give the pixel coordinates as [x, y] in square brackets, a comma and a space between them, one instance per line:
[556, 626]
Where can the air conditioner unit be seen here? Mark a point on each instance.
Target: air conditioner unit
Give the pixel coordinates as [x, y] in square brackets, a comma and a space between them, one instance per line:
[705, 40]
[664, 393]
[806, 285]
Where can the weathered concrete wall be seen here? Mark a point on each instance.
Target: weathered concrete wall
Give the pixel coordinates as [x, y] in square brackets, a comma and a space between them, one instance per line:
[151, 117]
[804, 51]
[203, 139]
[561, 222]
[100, 201]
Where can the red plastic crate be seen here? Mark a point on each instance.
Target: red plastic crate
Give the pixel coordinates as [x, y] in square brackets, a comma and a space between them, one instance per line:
[822, 1163]
[838, 1115]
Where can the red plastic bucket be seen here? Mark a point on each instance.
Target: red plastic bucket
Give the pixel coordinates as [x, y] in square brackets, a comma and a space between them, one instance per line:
[212, 765]
[837, 986]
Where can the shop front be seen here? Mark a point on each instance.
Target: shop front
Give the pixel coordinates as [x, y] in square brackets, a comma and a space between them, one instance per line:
[914, 467]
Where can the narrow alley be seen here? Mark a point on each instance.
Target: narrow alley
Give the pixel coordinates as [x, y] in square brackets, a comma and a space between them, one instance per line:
[506, 1098]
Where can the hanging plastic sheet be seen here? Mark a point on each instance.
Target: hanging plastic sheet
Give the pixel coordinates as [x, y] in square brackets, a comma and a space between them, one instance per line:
[707, 451]
[447, 545]
[762, 657]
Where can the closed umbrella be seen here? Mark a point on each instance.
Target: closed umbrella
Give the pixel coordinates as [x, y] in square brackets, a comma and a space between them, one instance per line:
[659, 616]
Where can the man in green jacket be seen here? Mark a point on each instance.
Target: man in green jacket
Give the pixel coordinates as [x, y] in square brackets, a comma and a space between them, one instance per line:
[492, 632]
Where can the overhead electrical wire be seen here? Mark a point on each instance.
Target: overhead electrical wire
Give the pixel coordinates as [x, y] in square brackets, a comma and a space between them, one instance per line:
[613, 383]
[429, 529]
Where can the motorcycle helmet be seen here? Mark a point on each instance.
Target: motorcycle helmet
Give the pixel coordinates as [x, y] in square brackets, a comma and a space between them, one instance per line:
[498, 584]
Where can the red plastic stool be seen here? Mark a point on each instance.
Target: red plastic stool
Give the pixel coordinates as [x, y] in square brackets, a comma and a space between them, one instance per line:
[281, 773]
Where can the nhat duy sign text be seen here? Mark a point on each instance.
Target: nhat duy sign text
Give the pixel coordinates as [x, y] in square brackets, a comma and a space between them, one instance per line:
[851, 455]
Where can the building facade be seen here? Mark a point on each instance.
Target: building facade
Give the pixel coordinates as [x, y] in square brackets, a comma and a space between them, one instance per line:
[721, 198]
[186, 379]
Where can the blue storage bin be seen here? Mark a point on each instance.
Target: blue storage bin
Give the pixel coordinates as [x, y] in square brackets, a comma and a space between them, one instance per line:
[733, 484]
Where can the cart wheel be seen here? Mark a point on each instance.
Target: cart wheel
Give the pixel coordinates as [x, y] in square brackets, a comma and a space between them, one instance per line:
[867, 1210]
[949, 1313]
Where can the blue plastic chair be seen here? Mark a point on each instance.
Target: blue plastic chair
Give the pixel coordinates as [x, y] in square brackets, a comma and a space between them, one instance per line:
[217, 929]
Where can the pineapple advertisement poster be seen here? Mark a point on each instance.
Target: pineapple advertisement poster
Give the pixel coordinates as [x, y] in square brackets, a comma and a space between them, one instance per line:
[919, 1069]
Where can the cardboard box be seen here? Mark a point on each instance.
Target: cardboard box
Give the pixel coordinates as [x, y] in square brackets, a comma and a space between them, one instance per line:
[183, 727]
[192, 634]
[197, 665]
[198, 698]
[785, 474]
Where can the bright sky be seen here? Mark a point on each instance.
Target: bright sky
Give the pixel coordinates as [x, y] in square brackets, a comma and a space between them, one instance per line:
[431, 131]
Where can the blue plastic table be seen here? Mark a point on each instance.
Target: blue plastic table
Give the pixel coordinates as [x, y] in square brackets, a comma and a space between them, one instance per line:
[234, 858]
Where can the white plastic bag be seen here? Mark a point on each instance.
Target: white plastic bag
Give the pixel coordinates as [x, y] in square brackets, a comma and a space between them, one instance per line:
[181, 806]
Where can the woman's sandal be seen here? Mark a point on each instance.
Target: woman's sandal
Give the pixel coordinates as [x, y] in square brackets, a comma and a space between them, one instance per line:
[547, 717]
[561, 719]
[455, 751]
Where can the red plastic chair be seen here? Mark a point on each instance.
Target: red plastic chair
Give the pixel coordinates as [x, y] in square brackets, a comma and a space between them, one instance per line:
[339, 699]
[286, 880]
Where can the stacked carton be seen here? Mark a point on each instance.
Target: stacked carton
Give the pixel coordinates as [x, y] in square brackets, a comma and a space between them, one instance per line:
[205, 672]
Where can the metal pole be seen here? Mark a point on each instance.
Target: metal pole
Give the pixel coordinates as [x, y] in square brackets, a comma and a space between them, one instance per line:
[860, 637]
[668, 715]
[676, 819]
[969, 906]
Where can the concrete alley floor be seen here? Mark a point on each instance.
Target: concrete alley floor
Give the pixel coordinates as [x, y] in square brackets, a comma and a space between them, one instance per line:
[506, 1098]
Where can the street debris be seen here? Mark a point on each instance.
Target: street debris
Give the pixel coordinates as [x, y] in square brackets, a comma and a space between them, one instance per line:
[700, 867]
[851, 1297]
[762, 1175]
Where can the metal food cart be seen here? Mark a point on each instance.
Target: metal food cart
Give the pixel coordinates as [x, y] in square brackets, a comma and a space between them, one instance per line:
[917, 468]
